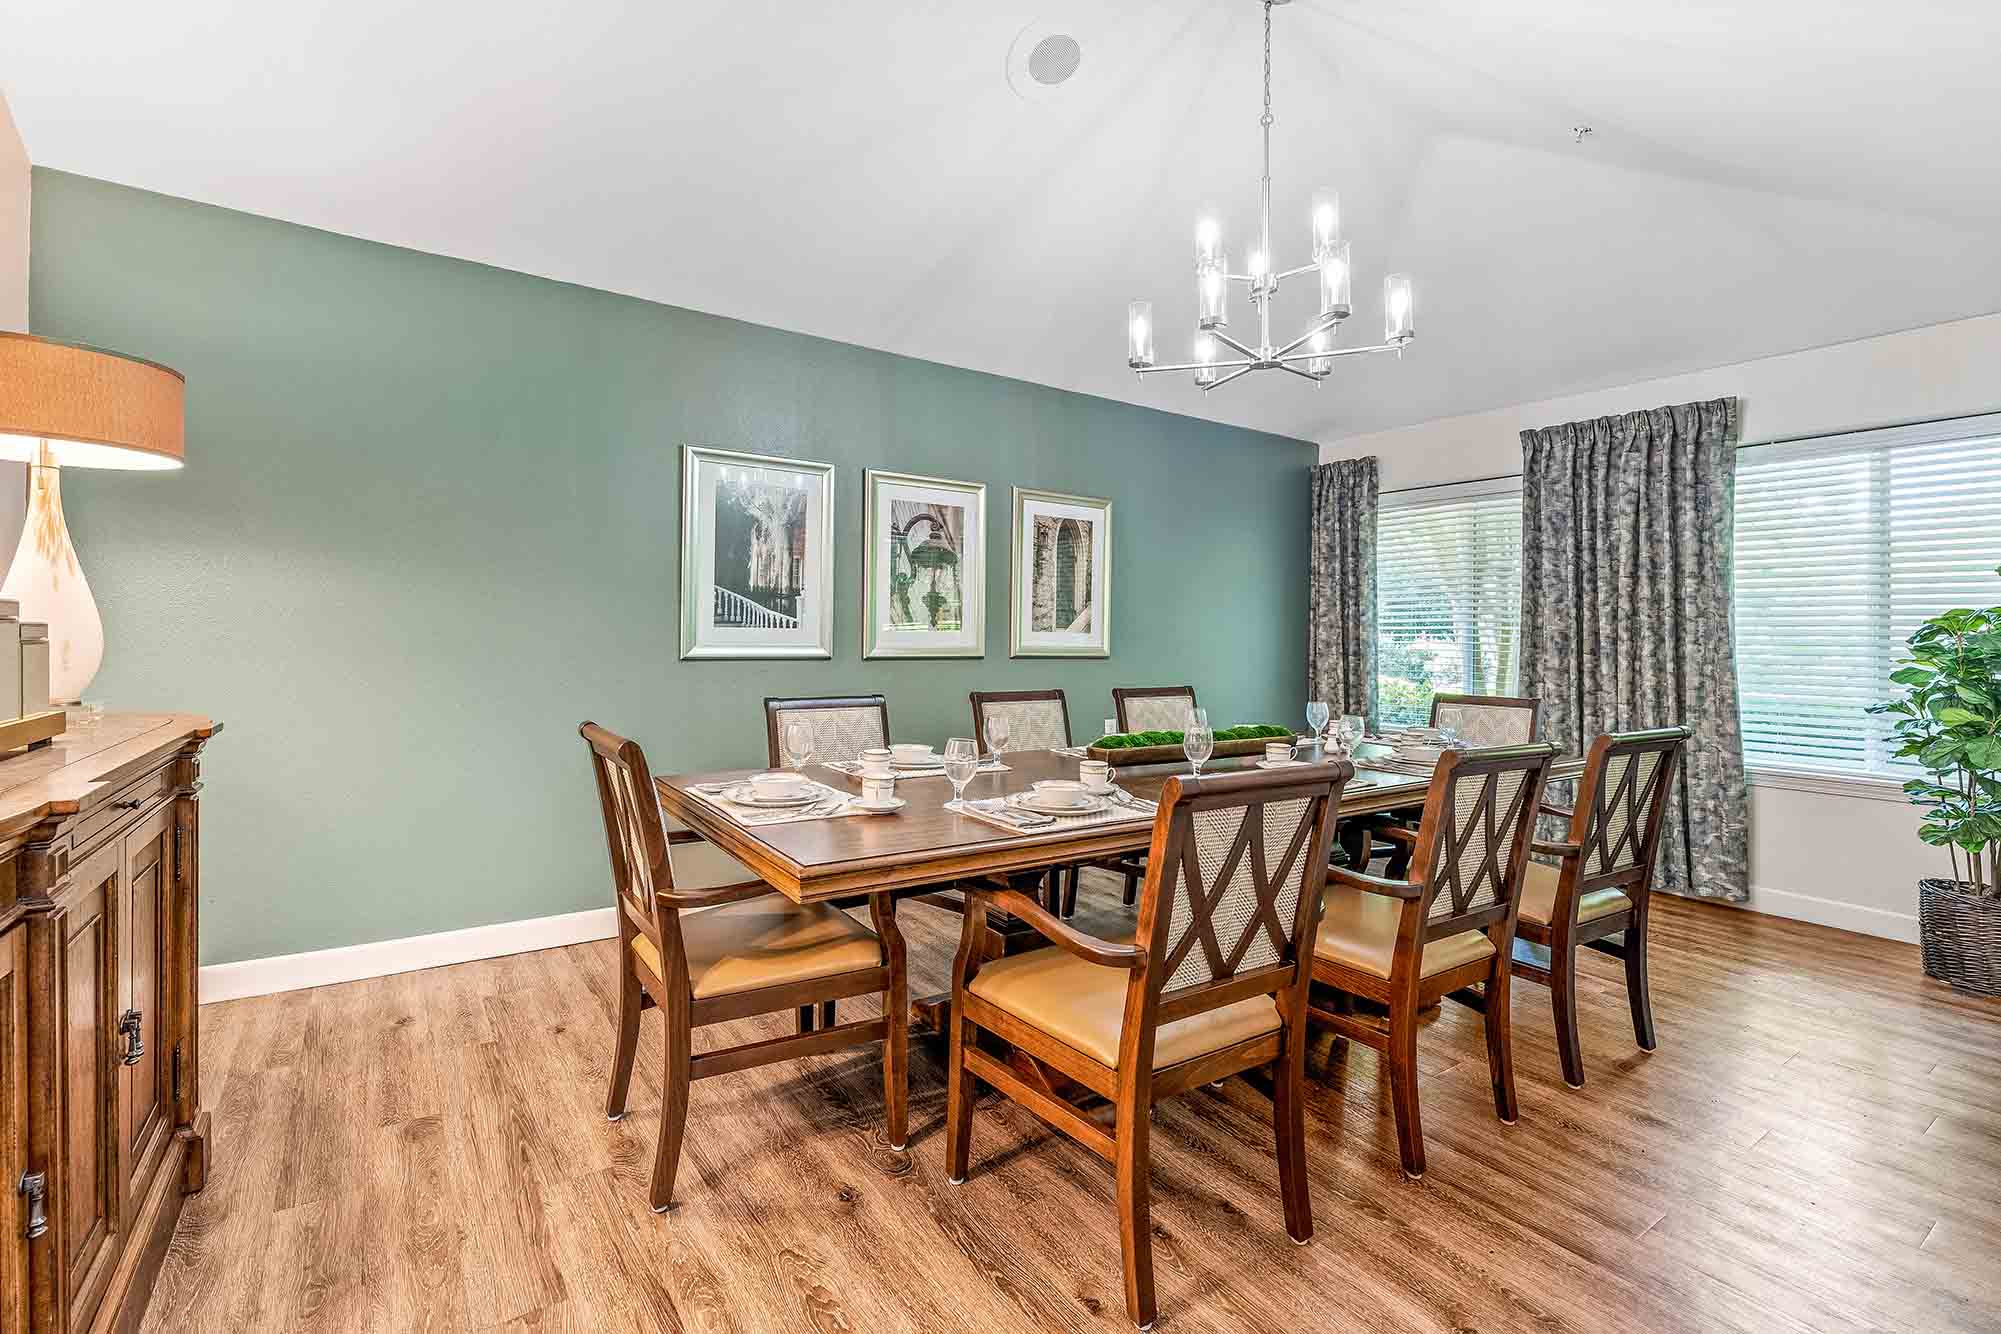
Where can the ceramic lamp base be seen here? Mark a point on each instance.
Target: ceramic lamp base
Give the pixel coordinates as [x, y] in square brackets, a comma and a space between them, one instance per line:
[48, 582]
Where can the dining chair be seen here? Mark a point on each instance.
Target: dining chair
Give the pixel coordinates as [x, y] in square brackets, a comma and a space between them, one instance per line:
[1602, 881]
[1154, 708]
[1404, 944]
[1040, 720]
[749, 951]
[1212, 984]
[843, 726]
[1488, 720]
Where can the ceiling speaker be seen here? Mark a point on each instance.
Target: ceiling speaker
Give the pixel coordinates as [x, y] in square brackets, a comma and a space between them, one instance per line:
[1041, 60]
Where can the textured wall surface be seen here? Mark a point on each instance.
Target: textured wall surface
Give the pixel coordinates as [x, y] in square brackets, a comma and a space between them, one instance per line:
[430, 523]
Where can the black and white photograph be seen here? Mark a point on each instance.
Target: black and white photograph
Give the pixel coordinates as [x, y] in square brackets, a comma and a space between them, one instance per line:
[924, 581]
[756, 556]
[1062, 576]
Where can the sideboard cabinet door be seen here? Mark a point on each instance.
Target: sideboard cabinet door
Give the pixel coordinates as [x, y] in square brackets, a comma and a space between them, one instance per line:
[145, 1028]
[19, 1214]
[88, 1136]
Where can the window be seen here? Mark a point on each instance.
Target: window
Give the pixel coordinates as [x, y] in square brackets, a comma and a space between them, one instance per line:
[1448, 595]
[1844, 544]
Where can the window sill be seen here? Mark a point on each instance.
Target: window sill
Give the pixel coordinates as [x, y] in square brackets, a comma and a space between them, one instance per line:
[1830, 784]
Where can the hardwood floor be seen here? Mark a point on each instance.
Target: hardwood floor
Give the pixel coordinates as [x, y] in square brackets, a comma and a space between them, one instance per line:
[1816, 1146]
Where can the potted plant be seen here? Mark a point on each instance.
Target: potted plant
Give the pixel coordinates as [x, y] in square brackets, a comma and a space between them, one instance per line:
[1949, 723]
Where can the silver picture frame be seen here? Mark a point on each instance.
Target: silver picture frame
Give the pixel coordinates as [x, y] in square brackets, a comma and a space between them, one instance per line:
[1026, 592]
[885, 559]
[773, 601]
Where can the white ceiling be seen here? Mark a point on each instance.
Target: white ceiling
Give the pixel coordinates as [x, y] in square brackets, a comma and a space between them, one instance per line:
[1761, 177]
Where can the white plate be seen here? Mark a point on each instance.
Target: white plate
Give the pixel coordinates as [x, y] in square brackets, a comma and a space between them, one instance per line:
[744, 795]
[910, 765]
[1282, 764]
[893, 804]
[1027, 801]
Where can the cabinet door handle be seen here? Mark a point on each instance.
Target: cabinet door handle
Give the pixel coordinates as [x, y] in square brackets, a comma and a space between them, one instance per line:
[35, 1189]
[135, 1046]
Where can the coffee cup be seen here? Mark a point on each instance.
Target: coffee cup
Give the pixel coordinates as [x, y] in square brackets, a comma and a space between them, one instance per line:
[1278, 752]
[908, 752]
[875, 762]
[776, 786]
[1095, 774]
[878, 791]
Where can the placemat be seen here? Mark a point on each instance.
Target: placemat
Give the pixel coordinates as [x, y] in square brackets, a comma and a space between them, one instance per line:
[853, 768]
[752, 816]
[995, 811]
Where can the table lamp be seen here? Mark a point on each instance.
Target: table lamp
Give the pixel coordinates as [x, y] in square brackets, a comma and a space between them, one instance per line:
[66, 406]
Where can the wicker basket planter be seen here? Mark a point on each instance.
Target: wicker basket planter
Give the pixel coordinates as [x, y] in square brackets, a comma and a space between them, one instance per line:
[1960, 934]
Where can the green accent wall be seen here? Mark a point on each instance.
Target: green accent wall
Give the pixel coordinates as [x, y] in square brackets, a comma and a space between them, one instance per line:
[429, 523]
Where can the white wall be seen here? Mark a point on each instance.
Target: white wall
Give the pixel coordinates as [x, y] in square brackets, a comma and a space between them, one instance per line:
[13, 307]
[1844, 854]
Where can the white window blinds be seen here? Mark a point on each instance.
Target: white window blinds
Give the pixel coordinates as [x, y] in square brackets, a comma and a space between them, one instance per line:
[1448, 596]
[1844, 544]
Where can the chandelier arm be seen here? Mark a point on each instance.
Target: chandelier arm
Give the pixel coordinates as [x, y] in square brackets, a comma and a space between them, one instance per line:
[1304, 375]
[1329, 323]
[1194, 366]
[1339, 352]
[1219, 383]
[1294, 273]
[1233, 344]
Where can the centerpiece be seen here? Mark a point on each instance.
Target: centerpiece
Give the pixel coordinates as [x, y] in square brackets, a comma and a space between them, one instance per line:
[1130, 748]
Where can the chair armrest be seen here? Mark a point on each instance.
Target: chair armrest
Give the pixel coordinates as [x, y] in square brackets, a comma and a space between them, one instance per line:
[1058, 932]
[709, 898]
[1558, 811]
[1397, 833]
[1563, 850]
[1374, 884]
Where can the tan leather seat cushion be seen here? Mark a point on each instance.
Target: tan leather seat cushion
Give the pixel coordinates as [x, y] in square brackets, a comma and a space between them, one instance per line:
[1083, 1004]
[1539, 897]
[766, 942]
[1359, 929]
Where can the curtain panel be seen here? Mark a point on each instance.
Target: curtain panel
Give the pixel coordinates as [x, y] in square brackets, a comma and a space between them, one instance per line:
[1341, 589]
[1626, 582]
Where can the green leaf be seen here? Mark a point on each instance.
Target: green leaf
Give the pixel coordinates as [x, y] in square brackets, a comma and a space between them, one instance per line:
[1912, 676]
[1954, 716]
[1984, 752]
[1978, 698]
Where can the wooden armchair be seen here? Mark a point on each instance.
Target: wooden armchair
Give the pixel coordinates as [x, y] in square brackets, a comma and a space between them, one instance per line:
[1153, 708]
[1602, 881]
[1040, 720]
[753, 951]
[1214, 983]
[1406, 943]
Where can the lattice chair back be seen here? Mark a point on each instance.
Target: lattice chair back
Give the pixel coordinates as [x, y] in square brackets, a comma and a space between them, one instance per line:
[842, 726]
[1154, 708]
[1036, 719]
[1479, 818]
[1487, 720]
[634, 837]
[1234, 881]
[1622, 804]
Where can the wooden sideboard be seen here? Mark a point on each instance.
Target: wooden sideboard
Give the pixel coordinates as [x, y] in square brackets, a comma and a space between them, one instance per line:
[101, 1128]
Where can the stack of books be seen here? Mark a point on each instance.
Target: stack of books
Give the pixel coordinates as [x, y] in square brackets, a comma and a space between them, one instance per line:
[24, 664]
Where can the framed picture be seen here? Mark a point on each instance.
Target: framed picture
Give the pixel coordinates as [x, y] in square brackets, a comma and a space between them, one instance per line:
[1062, 581]
[924, 577]
[757, 556]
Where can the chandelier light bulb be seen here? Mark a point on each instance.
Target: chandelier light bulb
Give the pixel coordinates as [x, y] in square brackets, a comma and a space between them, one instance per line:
[1320, 342]
[1212, 294]
[1335, 276]
[1326, 221]
[1205, 351]
[1399, 322]
[1139, 334]
[1208, 240]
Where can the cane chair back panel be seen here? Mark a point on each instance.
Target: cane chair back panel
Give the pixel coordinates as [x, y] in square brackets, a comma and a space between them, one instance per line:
[1155, 709]
[1231, 885]
[1483, 721]
[1035, 721]
[1481, 810]
[1622, 805]
[842, 728]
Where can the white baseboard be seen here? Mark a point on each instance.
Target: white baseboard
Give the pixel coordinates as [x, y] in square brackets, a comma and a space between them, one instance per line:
[380, 958]
[1836, 913]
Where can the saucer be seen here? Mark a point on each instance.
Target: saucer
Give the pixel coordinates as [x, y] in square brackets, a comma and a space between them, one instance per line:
[1282, 764]
[745, 795]
[893, 804]
[1027, 801]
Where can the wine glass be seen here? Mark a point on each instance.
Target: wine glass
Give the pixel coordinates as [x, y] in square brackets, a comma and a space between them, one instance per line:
[962, 761]
[796, 740]
[1198, 717]
[1198, 743]
[1316, 717]
[1353, 728]
[997, 732]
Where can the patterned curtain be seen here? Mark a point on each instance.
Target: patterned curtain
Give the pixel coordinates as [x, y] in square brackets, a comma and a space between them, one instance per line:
[1341, 592]
[1626, 551]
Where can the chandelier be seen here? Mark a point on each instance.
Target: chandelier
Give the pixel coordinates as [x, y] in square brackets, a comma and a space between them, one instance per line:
[1312, 354]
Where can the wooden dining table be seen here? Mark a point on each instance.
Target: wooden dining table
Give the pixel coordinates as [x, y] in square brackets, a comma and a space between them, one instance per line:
[925, 846]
